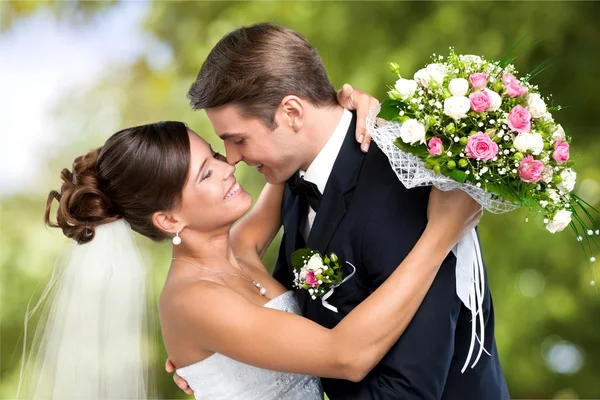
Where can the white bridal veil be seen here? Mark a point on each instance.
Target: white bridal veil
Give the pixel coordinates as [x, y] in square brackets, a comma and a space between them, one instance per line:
[90, 342]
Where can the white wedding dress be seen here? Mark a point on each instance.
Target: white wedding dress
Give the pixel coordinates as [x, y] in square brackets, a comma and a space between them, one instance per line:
[219, 377]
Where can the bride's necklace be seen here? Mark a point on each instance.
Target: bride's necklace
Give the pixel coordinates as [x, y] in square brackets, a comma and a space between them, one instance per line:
[262, 290]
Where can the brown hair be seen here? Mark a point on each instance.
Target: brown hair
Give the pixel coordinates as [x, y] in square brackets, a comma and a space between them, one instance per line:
[255, 67]
[137, 172]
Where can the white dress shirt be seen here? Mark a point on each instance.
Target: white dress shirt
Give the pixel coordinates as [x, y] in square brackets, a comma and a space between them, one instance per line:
[320, 169]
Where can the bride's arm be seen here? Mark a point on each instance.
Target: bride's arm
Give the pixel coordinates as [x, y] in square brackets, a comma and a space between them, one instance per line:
[255, 232]
[281, 341]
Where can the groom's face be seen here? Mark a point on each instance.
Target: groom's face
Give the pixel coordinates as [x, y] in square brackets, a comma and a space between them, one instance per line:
[251, 141]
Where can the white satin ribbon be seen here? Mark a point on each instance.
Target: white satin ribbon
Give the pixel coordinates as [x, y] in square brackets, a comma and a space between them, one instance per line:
[328, 294]
[470, 287]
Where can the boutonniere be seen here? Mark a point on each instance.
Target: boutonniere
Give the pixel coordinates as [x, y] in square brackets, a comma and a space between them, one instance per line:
[318, 275]
[315, 273]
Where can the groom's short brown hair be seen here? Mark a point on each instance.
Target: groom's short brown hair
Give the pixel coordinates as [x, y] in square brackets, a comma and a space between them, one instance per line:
[255, 67]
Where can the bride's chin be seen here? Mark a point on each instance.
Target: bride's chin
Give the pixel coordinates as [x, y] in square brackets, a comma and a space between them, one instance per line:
[242, 203]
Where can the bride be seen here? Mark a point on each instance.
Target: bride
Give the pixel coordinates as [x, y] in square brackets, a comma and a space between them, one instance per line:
[227, 325]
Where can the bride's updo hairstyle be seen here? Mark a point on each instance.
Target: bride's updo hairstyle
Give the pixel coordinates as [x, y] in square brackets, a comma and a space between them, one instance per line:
[137, 172]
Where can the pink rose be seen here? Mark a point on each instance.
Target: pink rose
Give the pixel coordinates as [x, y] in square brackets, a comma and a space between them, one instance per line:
[561, 151]
[512, 86]
[519, 119]
[435, 146]
[478, 80]
[480, 101]
[481, 147]
[531, 170]
[311, 280]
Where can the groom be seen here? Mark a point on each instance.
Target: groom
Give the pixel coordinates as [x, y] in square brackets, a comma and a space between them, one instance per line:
[267, 94]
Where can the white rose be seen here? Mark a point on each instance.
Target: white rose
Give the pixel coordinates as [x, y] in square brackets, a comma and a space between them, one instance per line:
[536, 105]
[529, 141]
[406, 88]
[437, 72]
[569, 177]
[558, 132]
[412, 131]
[554, 196]
[458, 87]
[521, 142]
[457, 107]
[561, 220]
[536, 143]
[422, 77]
[496, 100]
[303, 273]
[547, 174]
[315, 263]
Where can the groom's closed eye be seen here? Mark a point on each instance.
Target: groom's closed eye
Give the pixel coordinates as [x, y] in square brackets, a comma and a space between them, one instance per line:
[235, 138]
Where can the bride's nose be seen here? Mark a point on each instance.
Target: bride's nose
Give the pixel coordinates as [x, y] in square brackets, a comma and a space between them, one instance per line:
[229, 171]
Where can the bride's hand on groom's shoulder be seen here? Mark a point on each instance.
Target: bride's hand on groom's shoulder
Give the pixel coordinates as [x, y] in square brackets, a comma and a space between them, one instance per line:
[179, 381]
[354, 99]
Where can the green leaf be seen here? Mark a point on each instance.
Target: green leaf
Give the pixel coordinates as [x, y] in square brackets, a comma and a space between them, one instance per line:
[455, 174]
[418, 150]
[504, 60]
[389, 110]
[300, 256]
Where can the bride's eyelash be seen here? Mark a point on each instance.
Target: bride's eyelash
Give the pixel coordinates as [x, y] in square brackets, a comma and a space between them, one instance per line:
[218, 156]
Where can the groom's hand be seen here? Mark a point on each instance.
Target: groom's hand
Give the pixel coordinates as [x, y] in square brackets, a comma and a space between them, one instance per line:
[179, 381]
[354, 99]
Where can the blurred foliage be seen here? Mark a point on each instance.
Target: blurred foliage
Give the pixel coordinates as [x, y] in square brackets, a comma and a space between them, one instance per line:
[72, 12]
[540, 282]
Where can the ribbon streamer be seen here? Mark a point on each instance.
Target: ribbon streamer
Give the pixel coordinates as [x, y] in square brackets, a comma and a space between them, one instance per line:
[328, 294]
[470, 287]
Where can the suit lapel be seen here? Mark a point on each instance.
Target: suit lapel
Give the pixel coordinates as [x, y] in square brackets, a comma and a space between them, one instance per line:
[291, 226]
[342, 180]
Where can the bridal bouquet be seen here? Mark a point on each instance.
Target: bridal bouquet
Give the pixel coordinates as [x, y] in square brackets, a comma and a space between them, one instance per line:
[465, 122]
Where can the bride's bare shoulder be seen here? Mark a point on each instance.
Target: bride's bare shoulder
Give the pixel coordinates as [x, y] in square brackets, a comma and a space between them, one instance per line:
[179, 298]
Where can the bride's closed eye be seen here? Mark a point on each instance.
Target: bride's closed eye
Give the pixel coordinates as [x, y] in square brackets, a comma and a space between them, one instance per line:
[217, 156]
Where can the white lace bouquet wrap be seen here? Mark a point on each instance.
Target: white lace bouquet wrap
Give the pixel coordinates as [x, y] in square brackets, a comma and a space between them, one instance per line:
[411, 170]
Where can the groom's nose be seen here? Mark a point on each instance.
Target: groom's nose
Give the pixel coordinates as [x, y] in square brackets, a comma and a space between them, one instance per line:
[233, 156]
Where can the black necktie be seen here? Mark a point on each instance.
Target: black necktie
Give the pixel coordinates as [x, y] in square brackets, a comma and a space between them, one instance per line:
[308, 190]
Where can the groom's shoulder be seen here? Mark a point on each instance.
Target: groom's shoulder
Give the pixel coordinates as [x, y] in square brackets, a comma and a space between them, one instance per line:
[377, 172]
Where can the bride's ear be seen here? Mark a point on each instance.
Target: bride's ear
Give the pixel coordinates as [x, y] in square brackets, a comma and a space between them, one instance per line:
[167, 221]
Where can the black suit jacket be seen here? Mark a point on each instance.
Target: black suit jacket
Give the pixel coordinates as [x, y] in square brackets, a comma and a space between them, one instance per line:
[367, 217]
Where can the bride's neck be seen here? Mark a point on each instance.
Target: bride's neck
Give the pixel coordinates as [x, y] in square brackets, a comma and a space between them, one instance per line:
[206, 248]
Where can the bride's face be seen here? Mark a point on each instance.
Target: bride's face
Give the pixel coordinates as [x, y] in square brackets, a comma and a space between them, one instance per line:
[211, 198]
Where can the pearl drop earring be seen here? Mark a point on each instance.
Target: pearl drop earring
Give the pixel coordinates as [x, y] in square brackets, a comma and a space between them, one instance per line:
[177, 239]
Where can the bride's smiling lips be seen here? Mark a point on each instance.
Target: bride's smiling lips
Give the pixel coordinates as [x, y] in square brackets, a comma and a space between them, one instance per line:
[233, 191]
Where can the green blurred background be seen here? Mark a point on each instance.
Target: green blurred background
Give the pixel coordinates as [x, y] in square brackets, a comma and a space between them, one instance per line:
[73, 73]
